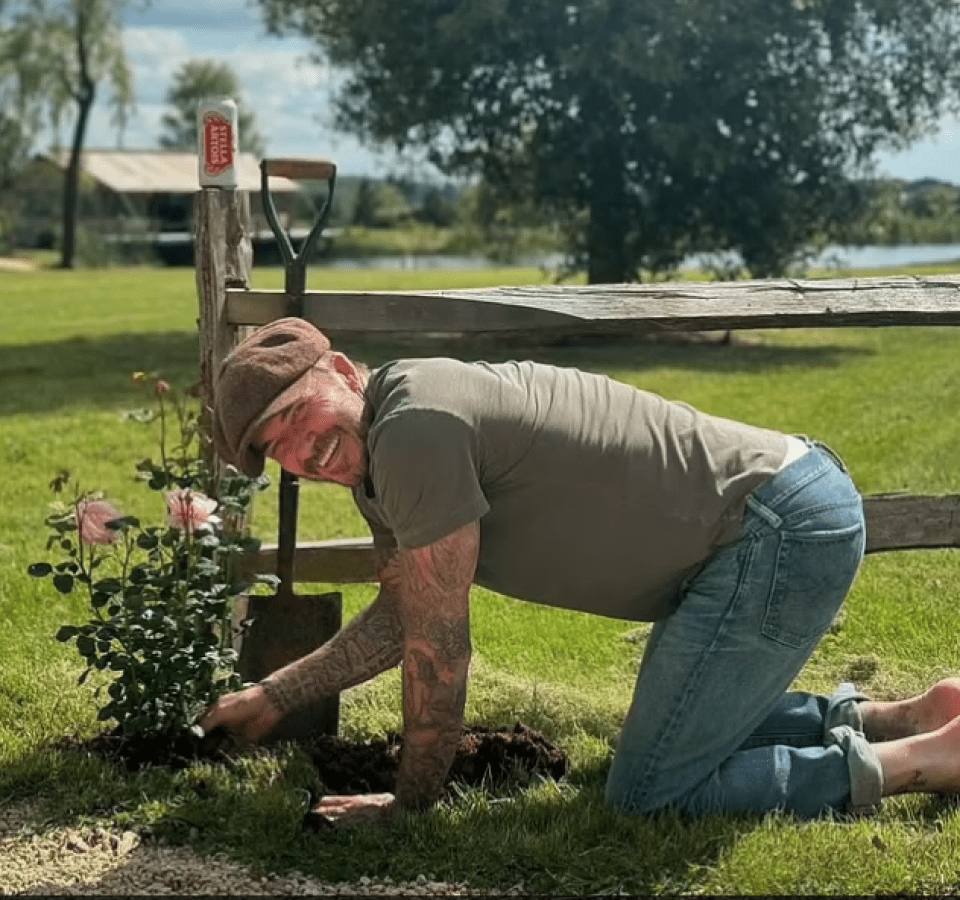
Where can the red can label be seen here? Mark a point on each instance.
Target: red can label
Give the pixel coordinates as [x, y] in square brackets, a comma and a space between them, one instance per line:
[217, 144]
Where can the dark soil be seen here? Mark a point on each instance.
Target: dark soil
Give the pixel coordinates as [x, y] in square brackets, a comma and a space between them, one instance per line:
[498, 759]
[505, 759]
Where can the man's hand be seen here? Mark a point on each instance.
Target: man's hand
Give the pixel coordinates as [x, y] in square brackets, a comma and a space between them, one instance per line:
[353, 810]
[248, 714]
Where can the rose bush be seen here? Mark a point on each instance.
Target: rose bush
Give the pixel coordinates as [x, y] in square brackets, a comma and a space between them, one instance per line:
[160, 596]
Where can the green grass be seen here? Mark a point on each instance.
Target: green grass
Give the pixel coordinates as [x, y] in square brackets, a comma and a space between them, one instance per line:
[882, 398]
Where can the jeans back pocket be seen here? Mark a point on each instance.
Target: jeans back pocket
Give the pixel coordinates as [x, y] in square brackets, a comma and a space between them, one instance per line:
[814, 572]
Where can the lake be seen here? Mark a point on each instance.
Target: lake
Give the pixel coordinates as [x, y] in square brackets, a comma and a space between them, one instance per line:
[831, 258]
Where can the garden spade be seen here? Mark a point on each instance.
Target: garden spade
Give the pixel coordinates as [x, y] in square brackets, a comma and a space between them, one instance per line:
[287, 625]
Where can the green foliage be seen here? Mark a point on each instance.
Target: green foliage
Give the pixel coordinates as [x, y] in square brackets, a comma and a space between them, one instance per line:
[379, 204]
[60, 51]
[196, 80]
[160, 597]
[918, 212]
[647, 129]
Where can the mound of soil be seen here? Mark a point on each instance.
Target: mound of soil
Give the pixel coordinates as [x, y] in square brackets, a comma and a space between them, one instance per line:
[498, 759]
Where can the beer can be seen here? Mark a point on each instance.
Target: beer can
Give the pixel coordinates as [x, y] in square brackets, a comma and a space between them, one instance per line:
[217, 142]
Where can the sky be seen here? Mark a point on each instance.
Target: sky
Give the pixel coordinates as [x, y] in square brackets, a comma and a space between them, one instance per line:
[290, 95]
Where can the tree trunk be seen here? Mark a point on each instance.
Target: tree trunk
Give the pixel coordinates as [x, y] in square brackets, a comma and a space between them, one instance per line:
[85, 95]
[71, 186]
[609, 257]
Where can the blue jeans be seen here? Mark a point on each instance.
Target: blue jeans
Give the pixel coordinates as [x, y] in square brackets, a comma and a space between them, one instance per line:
[712, 727]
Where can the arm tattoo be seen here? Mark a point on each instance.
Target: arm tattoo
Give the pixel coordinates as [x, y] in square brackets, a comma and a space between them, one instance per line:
[433, 587]
[368, 645]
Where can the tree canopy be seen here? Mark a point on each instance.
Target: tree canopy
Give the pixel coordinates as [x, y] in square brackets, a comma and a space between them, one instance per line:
[197, 80]
[54, 54]
[648, 129]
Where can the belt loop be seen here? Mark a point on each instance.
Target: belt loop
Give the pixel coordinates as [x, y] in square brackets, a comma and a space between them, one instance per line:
[840, 463]
[768, 515]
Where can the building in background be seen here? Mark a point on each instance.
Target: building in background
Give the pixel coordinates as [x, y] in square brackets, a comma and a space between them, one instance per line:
[141, 201]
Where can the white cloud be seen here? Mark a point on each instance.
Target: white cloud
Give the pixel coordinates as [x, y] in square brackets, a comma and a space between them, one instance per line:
[154, 55]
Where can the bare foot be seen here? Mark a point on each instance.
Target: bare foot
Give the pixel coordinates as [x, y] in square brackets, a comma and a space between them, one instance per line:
[887, 721]
[928, 762]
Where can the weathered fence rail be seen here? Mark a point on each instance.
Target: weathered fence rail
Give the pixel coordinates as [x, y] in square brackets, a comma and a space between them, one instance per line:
[641, 308]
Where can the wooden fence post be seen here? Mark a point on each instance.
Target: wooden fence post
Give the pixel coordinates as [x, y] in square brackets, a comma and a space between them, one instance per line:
[223, 255]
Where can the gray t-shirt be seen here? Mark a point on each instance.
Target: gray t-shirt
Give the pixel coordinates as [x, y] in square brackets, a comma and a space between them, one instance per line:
[591, 494]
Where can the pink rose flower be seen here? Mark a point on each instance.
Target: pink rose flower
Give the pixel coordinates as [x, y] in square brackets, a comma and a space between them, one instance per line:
[190, 510]
[92, 517]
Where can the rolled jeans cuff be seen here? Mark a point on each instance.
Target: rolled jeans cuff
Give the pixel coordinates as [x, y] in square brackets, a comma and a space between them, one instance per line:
[843, 708]
[866, 775]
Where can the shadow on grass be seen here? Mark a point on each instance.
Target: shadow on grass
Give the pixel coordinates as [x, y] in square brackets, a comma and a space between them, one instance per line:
[92, 372]
[95, 372]
[607, 353]
[551, 839]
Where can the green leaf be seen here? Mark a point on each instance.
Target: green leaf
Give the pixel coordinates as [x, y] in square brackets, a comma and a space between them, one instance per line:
[124, 523]
[63, 582]
[67, 632]
[84, 675]
[148, 540]
[109, 586]
[139, 574]
[40, 570]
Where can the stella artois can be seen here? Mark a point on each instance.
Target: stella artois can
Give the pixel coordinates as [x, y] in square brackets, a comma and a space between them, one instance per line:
[217, 132]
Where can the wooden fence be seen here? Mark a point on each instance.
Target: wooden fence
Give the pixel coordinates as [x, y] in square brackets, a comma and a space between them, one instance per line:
[227, 305]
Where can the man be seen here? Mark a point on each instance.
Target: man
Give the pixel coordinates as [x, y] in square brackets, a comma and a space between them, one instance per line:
[570, 489]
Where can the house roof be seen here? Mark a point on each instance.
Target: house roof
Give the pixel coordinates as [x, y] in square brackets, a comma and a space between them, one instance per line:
[163, 171]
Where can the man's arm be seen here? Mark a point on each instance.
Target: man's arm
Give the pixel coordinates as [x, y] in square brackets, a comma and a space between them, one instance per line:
[368, 645]
[432, 585]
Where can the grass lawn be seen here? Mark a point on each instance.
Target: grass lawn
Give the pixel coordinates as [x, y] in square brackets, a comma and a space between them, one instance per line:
[884, 399]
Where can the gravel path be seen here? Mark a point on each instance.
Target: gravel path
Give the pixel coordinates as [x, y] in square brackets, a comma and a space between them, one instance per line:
[96, 861]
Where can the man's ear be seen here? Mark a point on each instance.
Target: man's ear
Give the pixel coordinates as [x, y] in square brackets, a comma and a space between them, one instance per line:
[348, 371]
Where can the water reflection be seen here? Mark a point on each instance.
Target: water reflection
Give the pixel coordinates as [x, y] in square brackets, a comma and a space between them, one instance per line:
[831, 258]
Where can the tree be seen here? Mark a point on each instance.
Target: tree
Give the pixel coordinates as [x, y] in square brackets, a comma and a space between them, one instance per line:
[379, 204]
[59, 51]
[194, 81]
[648, 129]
